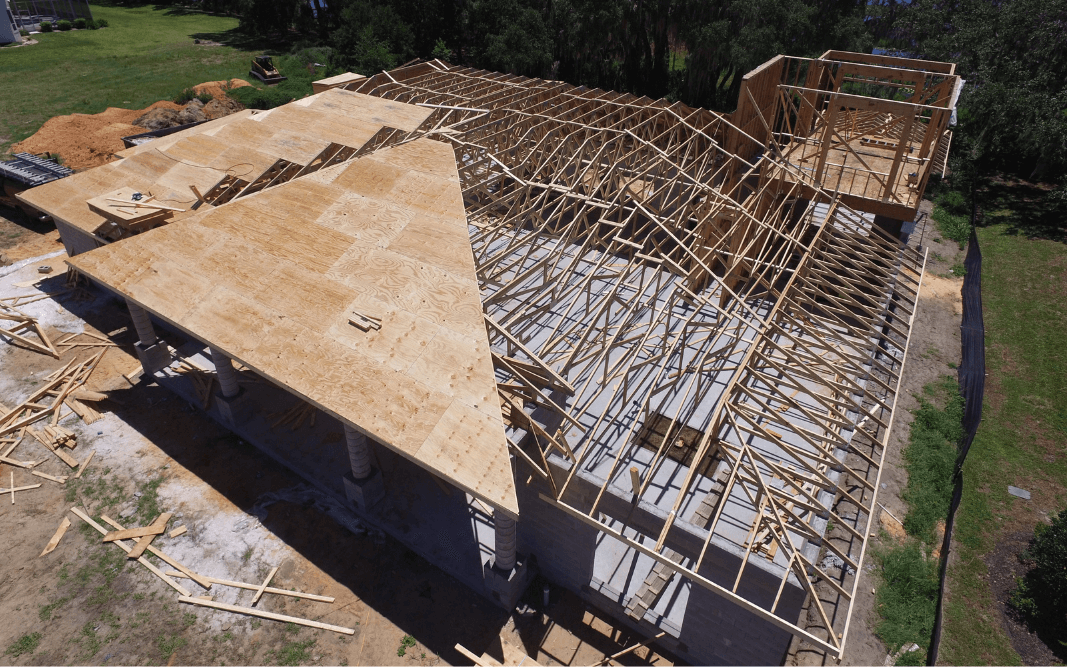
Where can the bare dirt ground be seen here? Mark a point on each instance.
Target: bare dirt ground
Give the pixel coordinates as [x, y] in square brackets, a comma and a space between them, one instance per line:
[935, 343]
[1005, 568]
[84, 603]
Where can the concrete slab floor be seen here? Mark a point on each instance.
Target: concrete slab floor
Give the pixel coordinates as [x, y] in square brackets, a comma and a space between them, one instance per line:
[155, 452]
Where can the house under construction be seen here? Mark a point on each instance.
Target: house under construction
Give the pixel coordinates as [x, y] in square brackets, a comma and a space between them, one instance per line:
[649, 351]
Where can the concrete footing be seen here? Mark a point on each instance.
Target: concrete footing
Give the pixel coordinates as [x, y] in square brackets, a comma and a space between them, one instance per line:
[507, 586]
[367, 492]
[232, 409]
[153, 357]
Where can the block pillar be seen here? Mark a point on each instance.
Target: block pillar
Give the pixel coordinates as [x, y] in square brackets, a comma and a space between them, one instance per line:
[151, 352]
[231, 399]
[506, 542]
[506, 575]
[227, 376]
[363, 483]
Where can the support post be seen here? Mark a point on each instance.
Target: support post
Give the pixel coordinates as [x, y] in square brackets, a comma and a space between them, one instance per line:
[226, 374]
[153, 353]
[363, 484]
[507, 574]
[506, 542]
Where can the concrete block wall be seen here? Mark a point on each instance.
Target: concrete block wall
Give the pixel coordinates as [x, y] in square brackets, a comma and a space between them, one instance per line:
[713, 631]
[75, 240]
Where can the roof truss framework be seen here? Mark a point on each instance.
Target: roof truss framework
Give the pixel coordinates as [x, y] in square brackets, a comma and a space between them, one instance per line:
[630, 267]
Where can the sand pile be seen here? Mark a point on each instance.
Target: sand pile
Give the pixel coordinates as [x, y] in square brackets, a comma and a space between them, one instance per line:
[89, 140]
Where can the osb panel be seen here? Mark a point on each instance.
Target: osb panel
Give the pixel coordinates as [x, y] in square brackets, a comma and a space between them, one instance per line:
[273, 280]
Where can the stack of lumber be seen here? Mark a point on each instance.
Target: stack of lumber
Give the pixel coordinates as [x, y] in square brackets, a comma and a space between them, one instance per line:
[120, 209]
[24, 324]
[47, 403]
[201, 378]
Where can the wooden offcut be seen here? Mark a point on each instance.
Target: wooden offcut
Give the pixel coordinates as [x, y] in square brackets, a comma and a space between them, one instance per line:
[268, 615]
[54, 542]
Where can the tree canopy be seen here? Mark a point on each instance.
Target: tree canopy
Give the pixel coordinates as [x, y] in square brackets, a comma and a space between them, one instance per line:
[1013, 53]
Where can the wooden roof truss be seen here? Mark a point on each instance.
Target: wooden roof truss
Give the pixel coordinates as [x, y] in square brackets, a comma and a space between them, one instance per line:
[632, 265]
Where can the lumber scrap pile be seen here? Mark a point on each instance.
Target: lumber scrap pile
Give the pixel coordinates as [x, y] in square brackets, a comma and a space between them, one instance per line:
[203, 380]
[24, 325]
[296, 416]
[47, 403]
[135, 541]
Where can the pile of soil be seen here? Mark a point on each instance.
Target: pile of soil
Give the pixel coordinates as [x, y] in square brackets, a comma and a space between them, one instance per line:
[89, 140]
[86, 140]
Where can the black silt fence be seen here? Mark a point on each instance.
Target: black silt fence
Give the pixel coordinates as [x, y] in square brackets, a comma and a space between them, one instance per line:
[972, 387]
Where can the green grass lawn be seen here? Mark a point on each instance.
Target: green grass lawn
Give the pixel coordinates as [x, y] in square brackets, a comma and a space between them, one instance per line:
[1023, 437]
[146, 55]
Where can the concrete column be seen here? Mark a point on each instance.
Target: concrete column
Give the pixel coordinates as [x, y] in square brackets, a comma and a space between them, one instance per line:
[358, 453]
[506, 541]
[143, 324]
[227, 376]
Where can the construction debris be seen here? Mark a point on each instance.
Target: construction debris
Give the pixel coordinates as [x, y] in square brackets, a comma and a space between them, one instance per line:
[54, 542]
[184, 571]
[180, 530]
[14, 488]
[58, 386]
[296, 415]
[203, 380]
[24, 324]
[255, 587]
[266, 614]
[142, 560]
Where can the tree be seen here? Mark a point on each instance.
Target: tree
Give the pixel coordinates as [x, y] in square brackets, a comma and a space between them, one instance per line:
[1013, 54]
[509, 36]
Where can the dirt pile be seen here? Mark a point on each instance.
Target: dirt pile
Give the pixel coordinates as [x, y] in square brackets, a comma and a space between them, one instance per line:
[89, 140]
[159, 119]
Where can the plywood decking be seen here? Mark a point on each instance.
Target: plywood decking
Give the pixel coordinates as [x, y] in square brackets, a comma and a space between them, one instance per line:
[244, 145]
[273, 280]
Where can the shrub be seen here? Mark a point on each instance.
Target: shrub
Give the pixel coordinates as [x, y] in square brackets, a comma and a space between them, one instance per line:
[954, 202]
[189, 94]
[90, 24]
[46, 26]
[1041, 596]
[24, 32]
[930, 456]
[64, 25]
[907, 597]
[101, 23]
[955, 227]
[79, 24]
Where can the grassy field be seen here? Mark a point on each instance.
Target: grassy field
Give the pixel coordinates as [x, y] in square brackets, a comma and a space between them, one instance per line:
[144, 56]
[1023, 437]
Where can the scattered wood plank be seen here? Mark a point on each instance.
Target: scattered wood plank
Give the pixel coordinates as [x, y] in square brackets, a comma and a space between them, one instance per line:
[623, 652]
[252, 587]
[266, 614]
[142, 544]
[132, 533]
[142, 560]
[54, 542]
[81, 468]
[467, 653]
[58, 480]
[259, 591]
[180, 530]
[19, 464]
[183, 571]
